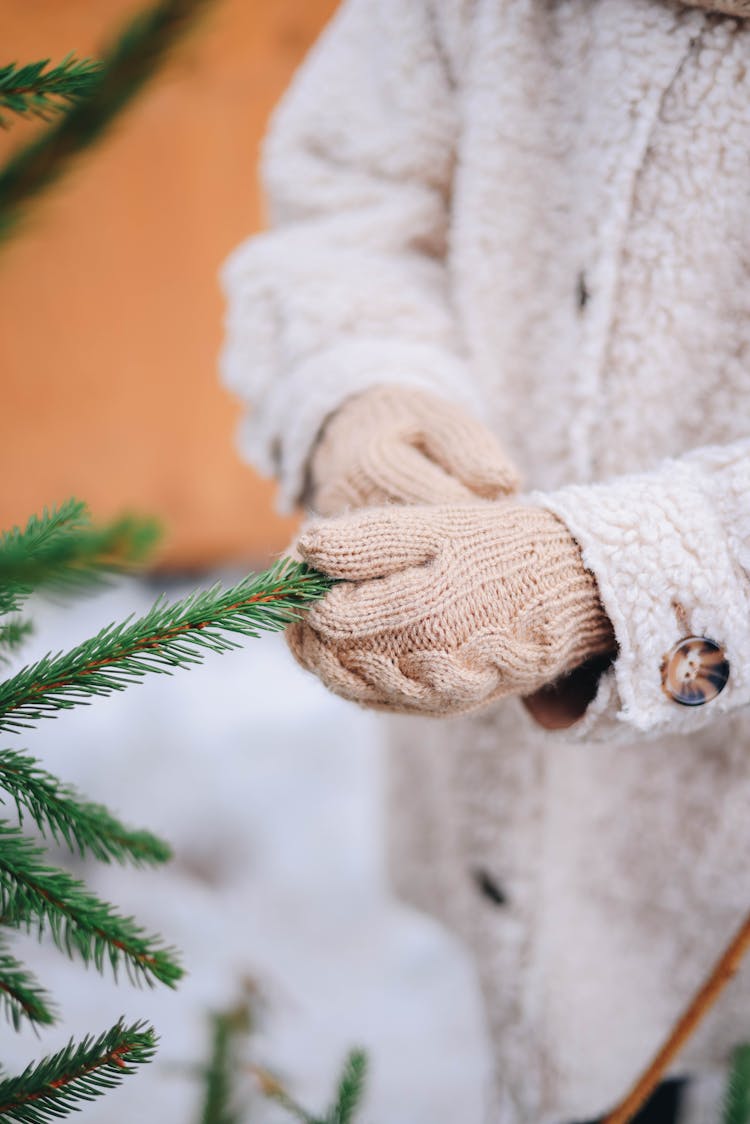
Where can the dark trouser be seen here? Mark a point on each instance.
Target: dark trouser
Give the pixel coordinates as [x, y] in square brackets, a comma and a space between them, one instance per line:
[664, 1106]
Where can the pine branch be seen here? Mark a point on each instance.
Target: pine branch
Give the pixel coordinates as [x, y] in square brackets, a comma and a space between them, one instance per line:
[737, 1103]
[21, 544]
[31, 90]
[129, 64]
[20, 993]
[60, 550]
[348, 1095]
[273, 1090]
[13, 633]
[56, 1085]
[167, 637]
[227, 1028]
[351, 1089]
[34, 894]
[59, 810]
[217, 1105]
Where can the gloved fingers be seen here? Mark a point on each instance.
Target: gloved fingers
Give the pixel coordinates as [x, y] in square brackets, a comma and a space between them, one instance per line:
[468, 452]
[407, 474]
[363, 610]
[371, 543]
[389, 472]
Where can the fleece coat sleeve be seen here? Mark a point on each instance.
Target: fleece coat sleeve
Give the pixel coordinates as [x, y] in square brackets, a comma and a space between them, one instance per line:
[349, 287]
[670, 550]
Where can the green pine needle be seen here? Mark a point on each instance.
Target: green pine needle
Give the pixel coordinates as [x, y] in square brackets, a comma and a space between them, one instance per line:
[21, 995]
[130, 63]
[737, 1102]
[273, 1090]
[35, 894]
[13, 633]
[348, 1094]
[61, 551]
[351, 1089]
[33, 91]
[229, 1028]
[167, 637]
[217, 1108]
[59, 810]
[57, 1085]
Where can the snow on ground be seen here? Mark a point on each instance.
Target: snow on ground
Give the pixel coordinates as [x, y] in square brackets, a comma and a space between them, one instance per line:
[269, 790]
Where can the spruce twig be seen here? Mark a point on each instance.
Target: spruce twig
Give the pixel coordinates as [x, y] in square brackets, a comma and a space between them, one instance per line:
[129, 64]
[13, 633]
[349, 1092]
[227, 1029]
[32, 90]
[60, 550]
[217, 1108]
[35, 894]
[21, 994]
[84, 826]
[56, 1085]
[737, 1102]
[351, 1089]
[273, 1090]
[168, 636]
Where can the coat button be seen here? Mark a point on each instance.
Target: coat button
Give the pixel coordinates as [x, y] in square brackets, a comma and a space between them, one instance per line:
[694, 671]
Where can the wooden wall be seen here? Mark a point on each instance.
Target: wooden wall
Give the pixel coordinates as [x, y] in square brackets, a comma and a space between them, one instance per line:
[110, 313]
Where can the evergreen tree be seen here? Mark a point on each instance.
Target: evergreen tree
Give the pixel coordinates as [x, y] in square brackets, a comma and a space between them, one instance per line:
[230, 1034]
[61, 551]
[95, 94]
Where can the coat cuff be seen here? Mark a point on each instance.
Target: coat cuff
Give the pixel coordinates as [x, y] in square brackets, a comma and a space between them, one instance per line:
[664, 562]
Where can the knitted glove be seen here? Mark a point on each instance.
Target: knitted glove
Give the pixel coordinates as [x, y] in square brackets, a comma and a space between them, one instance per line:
[394, 444]
[444, 608]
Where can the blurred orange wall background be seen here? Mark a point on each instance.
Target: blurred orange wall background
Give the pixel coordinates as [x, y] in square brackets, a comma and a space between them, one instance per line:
[110, 311]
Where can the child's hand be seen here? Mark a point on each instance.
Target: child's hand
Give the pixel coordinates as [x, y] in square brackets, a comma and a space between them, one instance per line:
[442, 609]
[395, 444]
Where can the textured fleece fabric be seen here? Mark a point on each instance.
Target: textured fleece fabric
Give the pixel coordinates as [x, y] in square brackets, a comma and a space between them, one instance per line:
[540, 210]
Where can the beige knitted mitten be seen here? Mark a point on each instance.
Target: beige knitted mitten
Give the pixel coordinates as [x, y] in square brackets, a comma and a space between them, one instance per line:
[394, 444]
[444, 608]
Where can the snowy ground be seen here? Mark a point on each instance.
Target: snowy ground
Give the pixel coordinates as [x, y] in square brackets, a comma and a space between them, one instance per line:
[268, 789]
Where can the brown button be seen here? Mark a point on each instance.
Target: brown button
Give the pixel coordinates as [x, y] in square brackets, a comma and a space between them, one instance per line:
[694, 671]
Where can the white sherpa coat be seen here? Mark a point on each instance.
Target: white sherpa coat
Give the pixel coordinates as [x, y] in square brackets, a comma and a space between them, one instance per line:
[541, 209]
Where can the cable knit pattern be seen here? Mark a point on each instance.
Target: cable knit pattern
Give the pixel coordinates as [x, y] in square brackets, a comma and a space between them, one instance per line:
[441, 609]
[396, 445]
[538, 209]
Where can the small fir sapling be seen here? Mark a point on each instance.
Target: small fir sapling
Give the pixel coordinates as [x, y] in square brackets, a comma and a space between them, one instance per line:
[230, 1041]
[61, 551]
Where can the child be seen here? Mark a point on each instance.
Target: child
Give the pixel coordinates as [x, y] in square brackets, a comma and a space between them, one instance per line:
[528, 222]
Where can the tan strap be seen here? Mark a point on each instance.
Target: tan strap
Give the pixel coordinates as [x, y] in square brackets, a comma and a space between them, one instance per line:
[723, 971]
